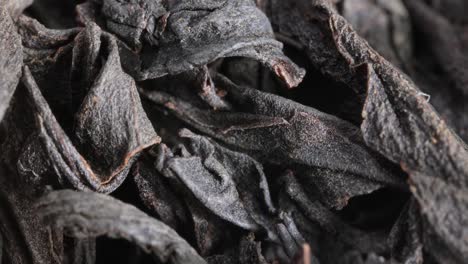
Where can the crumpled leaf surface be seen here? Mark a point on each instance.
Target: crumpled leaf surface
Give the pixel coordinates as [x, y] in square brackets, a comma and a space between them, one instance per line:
[232, 185]
[191, 34]
[158, 195]
[85, 214]
[363, 162]
[284, 132]
[406, 130]
[106, 172]
[133, 20]
[316, 212]
[180, 50]
[162, 196]
[104, 120]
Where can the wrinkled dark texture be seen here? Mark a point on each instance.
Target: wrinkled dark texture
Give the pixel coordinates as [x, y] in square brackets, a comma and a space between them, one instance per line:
[11, 60]
[190, 34]
[289, 134]
[234, 131]
[103, 215]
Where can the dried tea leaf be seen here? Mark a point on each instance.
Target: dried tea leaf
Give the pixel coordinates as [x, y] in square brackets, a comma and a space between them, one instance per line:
[443, 207]
[421, 142]
[158, 195]
[95, 133]
[221, 198]
[210, 231]
[196, 33]
[108, 172]
[420, 134]
[36, 36]
[112, 127]
[235, 179]
[191, 34]
[334, 226]
[85, 63]
[33, 162]
[407, 130]
[177, 206]
[398, 121]
[48, 55]
[208, 91]
[86, 214]
[388, 185]
[134, 21]
[309, 24]
[290, 134]
[11, 59]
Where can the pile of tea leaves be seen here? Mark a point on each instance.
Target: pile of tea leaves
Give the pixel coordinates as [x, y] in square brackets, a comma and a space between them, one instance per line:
[234, 131]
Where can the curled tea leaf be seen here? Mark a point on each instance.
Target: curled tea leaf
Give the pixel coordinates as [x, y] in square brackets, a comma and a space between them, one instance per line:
[85, 214]
[229, 28]
[111, 115]
[286, 133]
[158, 195]
[134, 133]
[332, 224]
[234, 178]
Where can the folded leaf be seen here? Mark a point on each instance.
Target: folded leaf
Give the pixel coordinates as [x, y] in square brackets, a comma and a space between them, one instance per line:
[235, 179]
[86, 214]
[124, 127]
[223, 29]
[133, 20]
[331, 223]
[185, 35]
[290, 134]
[398, 120]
